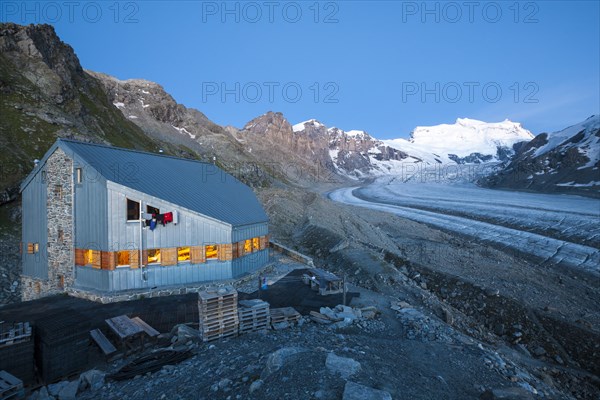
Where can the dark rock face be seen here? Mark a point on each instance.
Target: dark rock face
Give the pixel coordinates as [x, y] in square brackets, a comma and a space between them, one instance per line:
[565, 168]
[46, 94]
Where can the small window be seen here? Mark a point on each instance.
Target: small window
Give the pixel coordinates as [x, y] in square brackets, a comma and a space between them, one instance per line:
[153, 256]
[133, 210]
[211, 251]
[78, 175]
[43, 176]
[255, 244]
[89, 257]
[183, 254]
[122, 258]
[151, 210]
[247, 246]
[36, 247]
[58, 192]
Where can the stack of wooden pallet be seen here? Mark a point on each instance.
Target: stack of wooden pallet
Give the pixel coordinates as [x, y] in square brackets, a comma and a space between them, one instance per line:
[10, 387]
[16, 350]
[284, 317]
[218, 313]
[253, 315]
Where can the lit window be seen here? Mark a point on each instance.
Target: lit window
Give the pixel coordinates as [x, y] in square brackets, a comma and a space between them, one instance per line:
[33, 248]
[133, 210]
[89, 257]
[255, 244]
[153, 256]
[122, 258]
[183, 254]
[211, 251]
[78, 175]
[247, 246]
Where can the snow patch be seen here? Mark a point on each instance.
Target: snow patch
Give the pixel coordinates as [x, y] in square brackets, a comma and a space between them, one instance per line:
[119, 105]
[183, 130]
[300, 126]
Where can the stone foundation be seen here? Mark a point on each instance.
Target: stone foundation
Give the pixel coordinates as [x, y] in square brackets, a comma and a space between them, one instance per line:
[105, 298]
[35, 288]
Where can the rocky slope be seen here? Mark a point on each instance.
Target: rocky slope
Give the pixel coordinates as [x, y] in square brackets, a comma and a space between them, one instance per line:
[45, 94]
[567, 161]
[156, 112]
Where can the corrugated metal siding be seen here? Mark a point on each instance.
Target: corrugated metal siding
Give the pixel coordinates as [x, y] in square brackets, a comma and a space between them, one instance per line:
[91, 208]
[127, 279]
[249, 231]
[35, 227]
[197, 186]
[250, 263]
[192, 229]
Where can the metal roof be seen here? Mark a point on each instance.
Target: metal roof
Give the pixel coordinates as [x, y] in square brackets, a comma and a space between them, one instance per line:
[195, 185]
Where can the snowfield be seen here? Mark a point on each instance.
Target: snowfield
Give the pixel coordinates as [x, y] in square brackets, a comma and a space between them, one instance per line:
[558, 229]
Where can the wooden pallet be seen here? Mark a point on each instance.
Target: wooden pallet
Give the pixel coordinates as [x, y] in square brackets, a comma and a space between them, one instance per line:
[285, 314]
[10, 387]
[219, 335]
[14, 333]
[218, 324]
[218, 313]
[254, 315]
[255, 324]
[216, 295]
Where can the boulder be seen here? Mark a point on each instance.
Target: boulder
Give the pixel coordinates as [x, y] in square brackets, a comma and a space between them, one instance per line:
[69, 391]
[92, 379]
[277, 359]
[256, 385]
[355, 391]
[346, 367]
[55, 388]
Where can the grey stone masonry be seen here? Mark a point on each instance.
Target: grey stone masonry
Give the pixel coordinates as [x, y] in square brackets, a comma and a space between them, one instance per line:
[59, 210]
[59, 178]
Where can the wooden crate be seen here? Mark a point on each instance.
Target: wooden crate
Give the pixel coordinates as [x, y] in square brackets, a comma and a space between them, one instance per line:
[10, 387]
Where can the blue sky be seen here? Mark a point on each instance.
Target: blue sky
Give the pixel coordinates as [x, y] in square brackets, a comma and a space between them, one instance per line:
[384, 67]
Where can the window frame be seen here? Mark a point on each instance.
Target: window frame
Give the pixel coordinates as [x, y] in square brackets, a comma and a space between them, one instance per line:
[78, 176]
[139, 205]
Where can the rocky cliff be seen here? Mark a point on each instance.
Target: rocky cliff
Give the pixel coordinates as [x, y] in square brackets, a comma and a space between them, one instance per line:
[45, 94]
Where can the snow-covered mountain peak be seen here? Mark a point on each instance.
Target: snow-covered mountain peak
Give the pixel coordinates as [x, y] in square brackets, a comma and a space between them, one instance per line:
[299, 127]
[470, 136]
